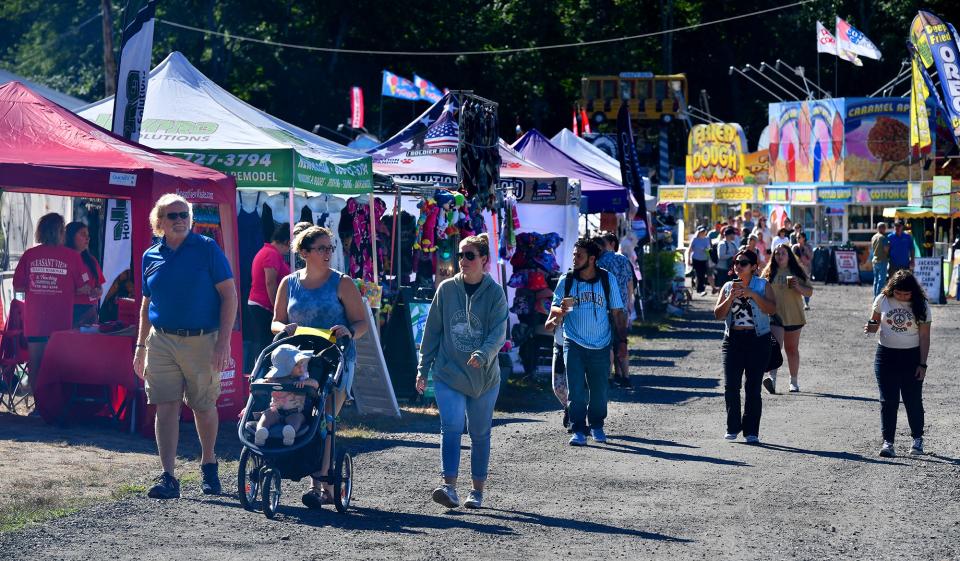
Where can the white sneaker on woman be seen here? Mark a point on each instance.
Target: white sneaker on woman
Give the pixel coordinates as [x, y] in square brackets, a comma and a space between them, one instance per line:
[446, 495]
[917, 448]
[475, 500]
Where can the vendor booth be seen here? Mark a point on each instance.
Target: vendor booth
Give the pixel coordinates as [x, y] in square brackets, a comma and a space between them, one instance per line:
[46, 149]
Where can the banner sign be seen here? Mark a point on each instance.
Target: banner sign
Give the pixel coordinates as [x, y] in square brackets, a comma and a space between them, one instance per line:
[929, 273]
[715, 154]
[772, 195]
[848, 268]
[756, 168]
[936, 44]
[700, 195]
[803, 196]
[395, 86]
[920, 138]
[356, 107]
[736, 194]
[914, 193]
[630, 167]
[834, 195]
[878, 140]
[670, 195]
[117, 244]
[806, 141]
[132, 73]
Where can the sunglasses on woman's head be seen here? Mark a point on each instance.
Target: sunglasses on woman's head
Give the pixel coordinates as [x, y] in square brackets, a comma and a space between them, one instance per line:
[468, 255]
[180, 215]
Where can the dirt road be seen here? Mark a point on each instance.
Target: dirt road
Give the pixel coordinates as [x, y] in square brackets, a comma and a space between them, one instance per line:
[666, 484]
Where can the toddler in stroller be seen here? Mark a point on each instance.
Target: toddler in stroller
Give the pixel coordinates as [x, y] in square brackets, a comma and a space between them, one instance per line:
[289, 366]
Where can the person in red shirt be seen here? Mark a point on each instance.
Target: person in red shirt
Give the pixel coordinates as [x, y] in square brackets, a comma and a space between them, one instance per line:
[50, 276]
[85, 305]
[268, 269]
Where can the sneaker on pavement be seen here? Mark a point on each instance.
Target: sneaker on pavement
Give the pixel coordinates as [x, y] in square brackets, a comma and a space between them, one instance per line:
[752, 439]
[887, 450]
[211, 479]
[475, 500]
[446, 495]
[578, 439]
[288, 435]
[768, 384]
[260, 437]
[166, 487]
[917, 448]
[598, 435]
[794, 387]
[730, 436]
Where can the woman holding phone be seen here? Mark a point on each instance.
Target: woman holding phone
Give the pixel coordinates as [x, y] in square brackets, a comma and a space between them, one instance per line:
[901, 318]
[745, 305]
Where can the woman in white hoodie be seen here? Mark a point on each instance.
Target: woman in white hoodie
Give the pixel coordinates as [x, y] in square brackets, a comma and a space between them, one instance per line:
[465, 329]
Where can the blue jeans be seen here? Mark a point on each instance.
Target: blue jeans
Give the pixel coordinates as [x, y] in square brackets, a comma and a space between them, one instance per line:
[587, 373]
[478, 411]
[879, 277]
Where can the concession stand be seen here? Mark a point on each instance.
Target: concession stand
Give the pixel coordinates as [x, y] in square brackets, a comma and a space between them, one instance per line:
[46, 149]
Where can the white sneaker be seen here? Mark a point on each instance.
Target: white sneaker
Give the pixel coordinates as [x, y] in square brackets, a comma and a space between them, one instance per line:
[887, 451]
[475, 500]
[917, 448]
[289, 435]
[446, 495]
[730, 436]
[794, 386]
[260, 437]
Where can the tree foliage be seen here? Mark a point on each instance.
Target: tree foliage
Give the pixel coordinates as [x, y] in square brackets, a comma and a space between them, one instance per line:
[59, 43]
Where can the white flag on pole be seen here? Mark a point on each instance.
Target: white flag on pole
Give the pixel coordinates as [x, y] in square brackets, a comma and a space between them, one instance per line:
[851, 39]
[134, 68]
[827, 44]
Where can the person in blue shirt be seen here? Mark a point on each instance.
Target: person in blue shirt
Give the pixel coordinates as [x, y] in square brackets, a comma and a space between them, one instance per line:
[901, 250]
[186, 318]
[585, 307]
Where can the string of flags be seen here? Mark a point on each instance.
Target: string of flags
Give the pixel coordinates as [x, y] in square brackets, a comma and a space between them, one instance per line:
[416, 90]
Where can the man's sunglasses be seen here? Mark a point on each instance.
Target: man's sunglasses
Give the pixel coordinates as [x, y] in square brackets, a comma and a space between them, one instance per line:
[180, 215]
[468, 255]
[743, 263]
[322, 249]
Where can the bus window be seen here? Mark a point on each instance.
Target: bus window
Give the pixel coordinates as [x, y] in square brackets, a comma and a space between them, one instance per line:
[609, 89]
[626, 89]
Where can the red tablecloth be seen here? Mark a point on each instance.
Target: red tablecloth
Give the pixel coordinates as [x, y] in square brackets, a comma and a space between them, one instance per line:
[72, 357]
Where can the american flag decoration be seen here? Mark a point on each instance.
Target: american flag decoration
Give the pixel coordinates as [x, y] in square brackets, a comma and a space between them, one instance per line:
[443, 133]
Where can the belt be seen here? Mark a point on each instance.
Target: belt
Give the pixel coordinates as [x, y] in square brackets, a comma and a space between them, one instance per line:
[185, 332]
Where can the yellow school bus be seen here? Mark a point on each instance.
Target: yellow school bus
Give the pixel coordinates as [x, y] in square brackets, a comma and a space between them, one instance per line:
[650, 97]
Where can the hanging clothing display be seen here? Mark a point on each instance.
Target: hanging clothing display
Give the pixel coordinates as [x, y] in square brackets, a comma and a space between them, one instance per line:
[478, 150]
[511, 223]
[535, 270]
[276, 210]
[357, 213]
[206, 222]
[400, 251]
[249, 236]
[325, 212]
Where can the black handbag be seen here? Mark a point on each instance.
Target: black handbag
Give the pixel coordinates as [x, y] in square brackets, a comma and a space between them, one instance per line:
[776, 357]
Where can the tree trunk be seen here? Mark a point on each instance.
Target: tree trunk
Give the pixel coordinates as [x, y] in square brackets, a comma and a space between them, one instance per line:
[109, 61]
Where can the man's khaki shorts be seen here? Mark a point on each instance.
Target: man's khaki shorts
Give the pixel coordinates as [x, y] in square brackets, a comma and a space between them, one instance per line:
[178, 368]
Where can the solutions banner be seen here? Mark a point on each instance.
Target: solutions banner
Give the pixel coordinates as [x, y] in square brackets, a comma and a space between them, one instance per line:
[133, 72]
[116, 242]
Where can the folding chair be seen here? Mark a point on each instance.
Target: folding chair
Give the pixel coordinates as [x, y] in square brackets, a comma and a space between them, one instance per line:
[14, 355]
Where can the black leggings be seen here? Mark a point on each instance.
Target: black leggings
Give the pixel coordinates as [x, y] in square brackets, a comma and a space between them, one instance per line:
[896, 371]
[260, 334]
[700, 268]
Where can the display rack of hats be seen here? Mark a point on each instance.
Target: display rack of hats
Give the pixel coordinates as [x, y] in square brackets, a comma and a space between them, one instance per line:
[445, 218]
[535, 270]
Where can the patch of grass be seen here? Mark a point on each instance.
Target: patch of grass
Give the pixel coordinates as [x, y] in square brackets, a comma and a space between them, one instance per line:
[128, 490]
[357, 431]
[34, 510]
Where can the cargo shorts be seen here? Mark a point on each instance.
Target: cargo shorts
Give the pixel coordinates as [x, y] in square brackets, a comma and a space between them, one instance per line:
[178, 369]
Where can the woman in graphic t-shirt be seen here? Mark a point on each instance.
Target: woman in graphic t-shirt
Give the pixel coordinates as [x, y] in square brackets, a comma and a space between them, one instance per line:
[901, 315]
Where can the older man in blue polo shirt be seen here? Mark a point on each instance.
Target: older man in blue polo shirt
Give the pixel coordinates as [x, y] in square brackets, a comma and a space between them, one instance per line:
[189, 308]
[901, 249]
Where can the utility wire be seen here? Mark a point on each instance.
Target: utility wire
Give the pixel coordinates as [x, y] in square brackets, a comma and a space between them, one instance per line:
[227, 35]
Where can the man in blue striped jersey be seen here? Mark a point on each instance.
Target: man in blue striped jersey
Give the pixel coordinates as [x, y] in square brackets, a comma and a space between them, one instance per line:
[585, 300]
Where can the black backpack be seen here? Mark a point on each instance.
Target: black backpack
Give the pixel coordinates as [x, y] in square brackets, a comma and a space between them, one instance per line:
[712, 253]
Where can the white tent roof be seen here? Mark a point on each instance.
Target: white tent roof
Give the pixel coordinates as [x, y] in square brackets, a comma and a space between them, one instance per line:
[587, 154]
[188, 114]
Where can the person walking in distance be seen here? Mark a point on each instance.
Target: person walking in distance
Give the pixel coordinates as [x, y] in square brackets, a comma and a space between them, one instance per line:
[790, 284]
[620, 267]
[880, 251]
[900, 255]
[901, 318]
[726, 249]
[588, 302]
[745, 305]
[698, 257]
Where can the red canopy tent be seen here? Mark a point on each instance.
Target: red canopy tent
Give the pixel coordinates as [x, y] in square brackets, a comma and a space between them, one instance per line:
[45, 148]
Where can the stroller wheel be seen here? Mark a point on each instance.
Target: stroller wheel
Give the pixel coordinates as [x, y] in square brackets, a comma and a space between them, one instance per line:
[248, 478]
[271, 492]
[343, 485]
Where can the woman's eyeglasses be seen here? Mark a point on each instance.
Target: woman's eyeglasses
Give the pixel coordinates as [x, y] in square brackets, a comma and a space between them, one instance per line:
[468, 255]
[322, 249]
[180, 215]
[743, 263]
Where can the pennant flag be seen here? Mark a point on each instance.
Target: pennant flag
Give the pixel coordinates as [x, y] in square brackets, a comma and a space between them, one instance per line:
[356, 107]
[427, 91]
[395, 86]
[920, 140]
[630, 172]
[852, 40]
[936, 45]
[585, 121]
[132, 72]
[575, 128]
[827, 44]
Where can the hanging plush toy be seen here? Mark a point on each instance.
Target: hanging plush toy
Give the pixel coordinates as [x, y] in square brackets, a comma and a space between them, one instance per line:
[453, 215]
[427, 226]
[445, 203]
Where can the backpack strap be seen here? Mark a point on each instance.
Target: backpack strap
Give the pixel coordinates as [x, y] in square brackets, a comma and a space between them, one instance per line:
[567, 283]
[605, 282]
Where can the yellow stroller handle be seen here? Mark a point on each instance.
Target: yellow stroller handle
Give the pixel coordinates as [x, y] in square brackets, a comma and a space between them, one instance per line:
[322, 333]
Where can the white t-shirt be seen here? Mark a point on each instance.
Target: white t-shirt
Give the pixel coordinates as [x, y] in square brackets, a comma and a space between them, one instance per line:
[898, 327]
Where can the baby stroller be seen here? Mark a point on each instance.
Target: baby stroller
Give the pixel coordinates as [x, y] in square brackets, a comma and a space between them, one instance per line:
[262, 467]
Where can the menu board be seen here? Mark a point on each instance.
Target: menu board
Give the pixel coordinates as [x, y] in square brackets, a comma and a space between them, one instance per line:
[848, 269]
[929, 273]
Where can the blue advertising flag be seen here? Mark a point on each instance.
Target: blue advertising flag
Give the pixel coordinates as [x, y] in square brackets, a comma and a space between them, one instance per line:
[427, 91]
[936, 45]
[630, 171]
[396, 86]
